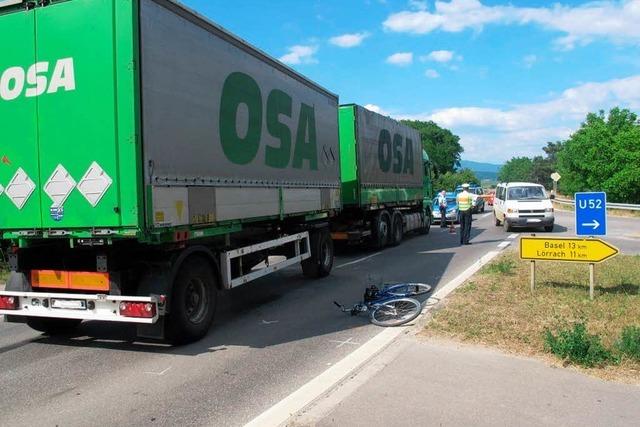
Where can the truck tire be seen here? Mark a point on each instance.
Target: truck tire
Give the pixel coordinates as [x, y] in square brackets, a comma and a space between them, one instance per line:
[427, 221]
[380, 228]
[53, 326]
[397, 232]
[193, 301]
[321, 261]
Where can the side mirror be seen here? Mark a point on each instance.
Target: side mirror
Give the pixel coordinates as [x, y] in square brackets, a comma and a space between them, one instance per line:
[552, 196]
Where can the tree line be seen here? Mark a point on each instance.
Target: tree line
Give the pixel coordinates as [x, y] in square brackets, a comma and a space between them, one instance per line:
[602, 155]
[445, 151]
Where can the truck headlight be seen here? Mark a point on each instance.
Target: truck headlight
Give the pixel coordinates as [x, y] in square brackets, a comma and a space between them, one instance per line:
[512, 210]
[548, 210]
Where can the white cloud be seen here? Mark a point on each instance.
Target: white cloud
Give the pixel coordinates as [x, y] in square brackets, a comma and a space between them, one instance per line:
[376, 109]
[439, 56]
[300, 54]
[418, 4]
[498, 134]
[349, 40]
[529, 60]
[401, 59]
[616, 21]
[432, 74]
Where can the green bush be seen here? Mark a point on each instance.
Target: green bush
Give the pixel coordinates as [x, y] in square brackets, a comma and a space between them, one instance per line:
[629, 343]
[578, 346]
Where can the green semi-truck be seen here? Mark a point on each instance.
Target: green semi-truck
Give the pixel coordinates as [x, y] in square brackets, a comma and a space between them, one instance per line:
[150, 159]
[386, 180]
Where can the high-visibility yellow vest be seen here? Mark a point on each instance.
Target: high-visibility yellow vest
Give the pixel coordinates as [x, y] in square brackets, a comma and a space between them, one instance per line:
[464, 201]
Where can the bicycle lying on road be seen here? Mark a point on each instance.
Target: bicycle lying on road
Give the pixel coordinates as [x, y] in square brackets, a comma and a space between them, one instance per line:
[390, 306]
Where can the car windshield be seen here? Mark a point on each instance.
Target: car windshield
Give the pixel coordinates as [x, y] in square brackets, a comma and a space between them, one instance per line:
[526, 193]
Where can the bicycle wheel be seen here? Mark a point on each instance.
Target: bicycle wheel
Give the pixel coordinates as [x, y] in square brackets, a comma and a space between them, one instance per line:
[395, 312]
[408, 289]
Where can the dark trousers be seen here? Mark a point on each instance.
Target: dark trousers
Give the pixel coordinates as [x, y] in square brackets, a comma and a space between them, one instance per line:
[443, 216]
[465, 226]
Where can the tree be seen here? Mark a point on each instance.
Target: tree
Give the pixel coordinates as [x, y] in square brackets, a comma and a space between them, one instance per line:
[603, 155]
[541, 170]
[450, 180]
[516, 169]
[442, 146]
[552, 149]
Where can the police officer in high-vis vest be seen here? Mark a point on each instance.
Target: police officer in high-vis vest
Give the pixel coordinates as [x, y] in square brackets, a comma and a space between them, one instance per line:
[465, 205]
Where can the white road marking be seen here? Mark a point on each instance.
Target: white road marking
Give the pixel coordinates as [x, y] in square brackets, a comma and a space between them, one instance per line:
[159, 373]
[341, 343]
[281, 412]
[358, 260]
[513, 236]
[504, 244]
[269, 322]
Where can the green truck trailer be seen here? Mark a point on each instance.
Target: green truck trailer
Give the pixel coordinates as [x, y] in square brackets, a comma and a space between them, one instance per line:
[386, 180]
[150, 159]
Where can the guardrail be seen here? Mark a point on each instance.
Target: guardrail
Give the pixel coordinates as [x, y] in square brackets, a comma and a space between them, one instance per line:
[623, 206]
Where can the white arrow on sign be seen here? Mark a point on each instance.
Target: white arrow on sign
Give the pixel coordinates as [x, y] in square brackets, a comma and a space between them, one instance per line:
[595, 224]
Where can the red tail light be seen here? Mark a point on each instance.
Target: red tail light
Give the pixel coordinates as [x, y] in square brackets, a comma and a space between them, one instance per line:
[137, 309]
[9, 303]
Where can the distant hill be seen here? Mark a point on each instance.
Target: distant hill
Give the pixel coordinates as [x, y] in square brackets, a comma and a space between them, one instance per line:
[480, 167]
[484, 171]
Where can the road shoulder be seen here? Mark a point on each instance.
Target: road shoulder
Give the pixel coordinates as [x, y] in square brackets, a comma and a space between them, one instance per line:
[444, 383]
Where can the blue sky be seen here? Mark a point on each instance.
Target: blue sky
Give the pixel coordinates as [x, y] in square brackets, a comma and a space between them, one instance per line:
[505, 77]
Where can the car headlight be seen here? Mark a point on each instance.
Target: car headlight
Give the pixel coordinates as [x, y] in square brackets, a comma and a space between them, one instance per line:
[512, 210]
[548, 210]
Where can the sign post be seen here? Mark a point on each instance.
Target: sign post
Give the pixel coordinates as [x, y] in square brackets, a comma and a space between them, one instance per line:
[592, 273]
[555, 177]
[533, 275]
[589, 251]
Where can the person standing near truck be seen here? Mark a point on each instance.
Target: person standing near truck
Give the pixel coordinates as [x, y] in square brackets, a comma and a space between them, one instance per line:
[442, 204]
[465, 206]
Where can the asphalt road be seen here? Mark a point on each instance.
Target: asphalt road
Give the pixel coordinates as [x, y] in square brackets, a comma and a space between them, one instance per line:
[270, 338]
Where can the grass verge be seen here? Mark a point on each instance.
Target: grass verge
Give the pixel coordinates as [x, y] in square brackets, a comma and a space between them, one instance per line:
[496, 308]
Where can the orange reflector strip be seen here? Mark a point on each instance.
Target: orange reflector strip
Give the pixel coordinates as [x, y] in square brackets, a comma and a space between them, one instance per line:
[79, 280]
[89, 281]
[340, 236]
[49, 279]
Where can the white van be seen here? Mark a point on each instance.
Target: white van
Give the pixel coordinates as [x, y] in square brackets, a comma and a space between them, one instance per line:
[523, 204]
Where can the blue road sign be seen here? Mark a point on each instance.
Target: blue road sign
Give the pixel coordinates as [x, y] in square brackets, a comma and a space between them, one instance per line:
[591, 214]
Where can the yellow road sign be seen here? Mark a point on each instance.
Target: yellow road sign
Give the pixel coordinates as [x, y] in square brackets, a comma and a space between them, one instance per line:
[563, 249]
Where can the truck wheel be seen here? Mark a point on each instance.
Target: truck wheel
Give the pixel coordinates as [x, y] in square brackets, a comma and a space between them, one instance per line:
[426, 225]
[193, 302]
[396, 229]
[53, 326]
[380, 228]
[321, 261]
